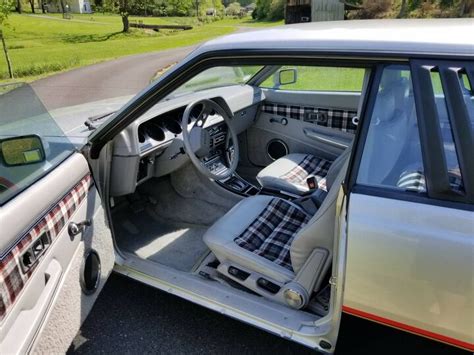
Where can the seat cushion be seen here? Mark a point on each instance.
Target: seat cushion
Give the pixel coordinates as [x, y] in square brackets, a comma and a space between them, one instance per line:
[290, 172]
[257, 234]
[271, 233]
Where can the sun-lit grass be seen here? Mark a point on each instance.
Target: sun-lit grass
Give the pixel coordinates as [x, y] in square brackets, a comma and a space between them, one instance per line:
[39, 45]
[322, 79]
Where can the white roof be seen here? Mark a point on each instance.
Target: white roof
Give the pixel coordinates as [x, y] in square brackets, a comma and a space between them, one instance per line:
[415, 37]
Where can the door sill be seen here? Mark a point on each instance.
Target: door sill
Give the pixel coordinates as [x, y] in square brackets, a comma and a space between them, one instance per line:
[299, 326]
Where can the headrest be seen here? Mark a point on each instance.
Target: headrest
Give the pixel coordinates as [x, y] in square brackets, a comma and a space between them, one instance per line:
[391, 101]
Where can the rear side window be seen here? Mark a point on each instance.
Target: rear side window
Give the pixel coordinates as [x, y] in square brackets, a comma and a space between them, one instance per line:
[392, 152]
[450, 153]
[31, 142]
[318, 78]
[420, 131]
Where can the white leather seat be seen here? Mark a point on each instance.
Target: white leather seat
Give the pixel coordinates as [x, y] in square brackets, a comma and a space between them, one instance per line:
[290, 173]
[275, 238]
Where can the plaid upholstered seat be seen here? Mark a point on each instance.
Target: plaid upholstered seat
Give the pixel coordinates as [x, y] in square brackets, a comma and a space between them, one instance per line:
[268, 239]
[271, 233]
[308, 167]
[290, 173]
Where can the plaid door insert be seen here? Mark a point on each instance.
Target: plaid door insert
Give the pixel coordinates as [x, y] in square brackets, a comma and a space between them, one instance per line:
[270, 235]
[334, 118]
[309, 166]
[12, 278]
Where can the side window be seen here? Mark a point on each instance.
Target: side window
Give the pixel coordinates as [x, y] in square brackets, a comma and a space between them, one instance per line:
[31, 142]
[392, 152]
[312, 78]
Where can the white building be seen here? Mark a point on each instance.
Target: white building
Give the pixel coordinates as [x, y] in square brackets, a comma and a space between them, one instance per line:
[73, 6]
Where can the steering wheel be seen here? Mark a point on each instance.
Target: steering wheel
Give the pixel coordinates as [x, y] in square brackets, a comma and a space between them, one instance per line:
[197, 139]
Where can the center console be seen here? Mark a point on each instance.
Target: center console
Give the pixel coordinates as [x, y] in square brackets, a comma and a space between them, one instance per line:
[216, 162]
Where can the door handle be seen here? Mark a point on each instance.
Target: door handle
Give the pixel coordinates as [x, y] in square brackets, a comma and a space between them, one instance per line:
[76, 228]
[283, 121]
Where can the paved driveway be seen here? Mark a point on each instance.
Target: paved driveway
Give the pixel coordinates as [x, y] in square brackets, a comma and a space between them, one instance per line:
[132, 318]
[121, 77]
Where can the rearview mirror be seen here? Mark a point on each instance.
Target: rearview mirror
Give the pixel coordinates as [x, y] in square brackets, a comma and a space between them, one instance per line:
[287, 76]
[23, 150]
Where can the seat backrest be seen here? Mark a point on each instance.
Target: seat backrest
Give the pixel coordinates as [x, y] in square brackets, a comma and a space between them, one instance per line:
[319, 232]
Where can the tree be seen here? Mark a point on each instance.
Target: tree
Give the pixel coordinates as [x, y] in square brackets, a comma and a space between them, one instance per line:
[32, 4]
[269, 10]
[372, 9]
[5, 6]
[121, 7]
[277, 10]
[124, 11]
[262, 9]
[233, 9]
[466, 8]
[18, 7]
[403, 9]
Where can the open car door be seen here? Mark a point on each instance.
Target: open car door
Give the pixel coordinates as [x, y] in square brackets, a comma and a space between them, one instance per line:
[56, 249]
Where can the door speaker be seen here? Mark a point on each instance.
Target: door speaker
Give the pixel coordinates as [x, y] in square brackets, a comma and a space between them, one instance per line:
[276, 149]
[90, 273]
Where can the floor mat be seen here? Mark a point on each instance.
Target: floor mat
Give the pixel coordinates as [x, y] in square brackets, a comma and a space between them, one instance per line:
[179, 246]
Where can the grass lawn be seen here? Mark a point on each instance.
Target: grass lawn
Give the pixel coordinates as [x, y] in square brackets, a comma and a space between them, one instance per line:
[39, 46]
[322, 78]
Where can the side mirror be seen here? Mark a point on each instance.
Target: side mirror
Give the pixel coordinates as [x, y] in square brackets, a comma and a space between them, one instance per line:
[287, 76]
[23, 150]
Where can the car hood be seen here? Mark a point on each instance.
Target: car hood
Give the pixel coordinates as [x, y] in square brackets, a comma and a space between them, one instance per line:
[72, 119]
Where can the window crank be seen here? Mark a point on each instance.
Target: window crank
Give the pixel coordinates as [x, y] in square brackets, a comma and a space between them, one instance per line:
[76, 228]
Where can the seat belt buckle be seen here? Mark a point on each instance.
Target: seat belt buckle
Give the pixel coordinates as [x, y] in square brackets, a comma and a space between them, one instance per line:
[312, 183]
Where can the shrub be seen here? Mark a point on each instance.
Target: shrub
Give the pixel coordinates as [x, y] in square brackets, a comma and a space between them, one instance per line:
[277, 10]
[269, 10]
[233, 9]
[372, 9]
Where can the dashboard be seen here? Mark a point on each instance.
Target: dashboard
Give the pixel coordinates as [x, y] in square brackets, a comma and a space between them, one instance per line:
[152, 146]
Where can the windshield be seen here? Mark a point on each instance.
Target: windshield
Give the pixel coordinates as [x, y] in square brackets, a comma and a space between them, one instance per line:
[217, 77]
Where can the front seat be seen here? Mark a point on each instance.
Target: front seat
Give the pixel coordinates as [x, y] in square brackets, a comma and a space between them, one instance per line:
[274, 247]
[290, 173]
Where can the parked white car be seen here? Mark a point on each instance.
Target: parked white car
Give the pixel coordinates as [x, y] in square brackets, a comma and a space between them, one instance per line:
[280, 177]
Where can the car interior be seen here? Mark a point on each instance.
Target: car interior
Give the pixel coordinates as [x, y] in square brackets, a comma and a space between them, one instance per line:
[230, 190]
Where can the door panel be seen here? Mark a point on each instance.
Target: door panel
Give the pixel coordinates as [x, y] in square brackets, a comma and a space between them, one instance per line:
[41, 301]
[410, 217]
[318, 123]
[410, 264]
